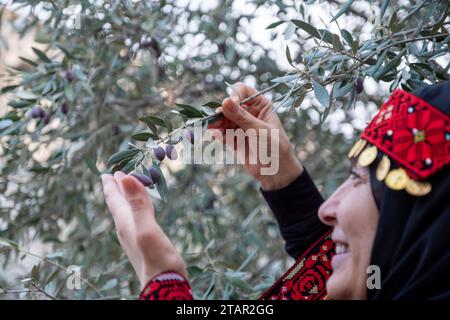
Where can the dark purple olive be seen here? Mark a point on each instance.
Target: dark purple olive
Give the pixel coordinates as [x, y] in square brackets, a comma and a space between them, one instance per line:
[171, 153]
[65, 107]
[359, 85]
[146, 181]
[189, 135]
[210, 202]
[159, 153]
[69, 76]
[154, 173]
[46, 118]
[115, 130]
[37, 112]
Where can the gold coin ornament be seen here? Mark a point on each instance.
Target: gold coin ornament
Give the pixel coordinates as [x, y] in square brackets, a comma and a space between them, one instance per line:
[383, 168]
[353, 149]
[368, 156]
[397, 179]
[360, 147]
[417, 188]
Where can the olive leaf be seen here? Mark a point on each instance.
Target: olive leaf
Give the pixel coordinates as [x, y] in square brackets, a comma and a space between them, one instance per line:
[122, 155]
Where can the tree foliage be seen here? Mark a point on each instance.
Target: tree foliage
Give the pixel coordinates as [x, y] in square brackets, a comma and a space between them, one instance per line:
[117, 76]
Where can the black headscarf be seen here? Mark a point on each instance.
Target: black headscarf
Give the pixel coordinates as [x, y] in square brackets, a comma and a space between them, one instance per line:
[412, 242]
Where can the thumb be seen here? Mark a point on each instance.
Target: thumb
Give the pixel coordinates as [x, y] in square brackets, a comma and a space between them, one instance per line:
[240, 116]
[138, 199]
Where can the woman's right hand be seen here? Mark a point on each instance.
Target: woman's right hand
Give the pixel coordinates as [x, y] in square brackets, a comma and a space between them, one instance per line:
[257, 114]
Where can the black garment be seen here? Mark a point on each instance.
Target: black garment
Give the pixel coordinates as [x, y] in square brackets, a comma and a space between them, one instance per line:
[412, 243]
[295, 208]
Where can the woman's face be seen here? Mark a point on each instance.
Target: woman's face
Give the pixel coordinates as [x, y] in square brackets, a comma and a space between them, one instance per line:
[353, 213]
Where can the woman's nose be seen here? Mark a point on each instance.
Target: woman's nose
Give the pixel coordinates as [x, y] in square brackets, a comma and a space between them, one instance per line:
[327, 211]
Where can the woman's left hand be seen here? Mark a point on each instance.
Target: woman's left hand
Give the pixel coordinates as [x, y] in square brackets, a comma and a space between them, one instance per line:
[145, 243]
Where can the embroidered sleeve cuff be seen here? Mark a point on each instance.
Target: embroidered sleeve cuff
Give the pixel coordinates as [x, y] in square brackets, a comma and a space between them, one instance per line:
[167, 285]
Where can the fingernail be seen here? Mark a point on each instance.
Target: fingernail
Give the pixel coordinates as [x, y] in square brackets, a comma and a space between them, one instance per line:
[235, 99]
[130, 186]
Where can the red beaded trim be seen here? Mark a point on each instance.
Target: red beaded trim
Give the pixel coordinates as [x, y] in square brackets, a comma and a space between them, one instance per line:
[167, 285]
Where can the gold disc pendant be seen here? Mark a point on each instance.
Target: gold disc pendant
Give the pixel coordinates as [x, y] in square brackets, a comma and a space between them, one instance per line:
[367, 156]
[417, 188]
[360, 148]
[354, 148]
[383, 168]
[397, 179]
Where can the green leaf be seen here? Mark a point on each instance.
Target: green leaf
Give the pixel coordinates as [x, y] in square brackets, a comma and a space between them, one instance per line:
[41, 55]
[235, 279]
[92, 166]
[321, 94]
[68, 91]
[65, 50]
[343, 10]
[274, 25]
[25, 95]
[337, 45]
[154, 120]
[306, 27]
[390, 65]
[52, 276]
[326, 35]
[110, 284]
[126, 166]
[122, 155]
[347, 37]
[288, 55]
[194, 271]
[19, 103]
[30, 62]
[5, 123]
[355, 46]
[8, 243]
[161, 186]
[144, 136]
[190, 111]
[8, 88]
[150, 125]
[213, 104]
[383, 8]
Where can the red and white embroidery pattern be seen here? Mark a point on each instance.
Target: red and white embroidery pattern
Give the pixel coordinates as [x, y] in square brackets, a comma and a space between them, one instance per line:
[167, 286]
[413, 133]
[306, 279]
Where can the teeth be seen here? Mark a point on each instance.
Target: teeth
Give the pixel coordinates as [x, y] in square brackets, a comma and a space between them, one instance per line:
[341, 248]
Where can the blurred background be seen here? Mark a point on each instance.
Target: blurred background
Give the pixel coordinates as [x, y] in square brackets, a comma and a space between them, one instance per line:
[96, 67]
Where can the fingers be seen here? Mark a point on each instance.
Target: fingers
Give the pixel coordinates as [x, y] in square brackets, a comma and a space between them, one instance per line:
[240, 116]
[114, 199]
[137, 197]
[242, 91]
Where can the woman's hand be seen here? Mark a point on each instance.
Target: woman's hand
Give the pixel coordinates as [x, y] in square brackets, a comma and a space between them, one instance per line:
[257, 114]
[145, 243]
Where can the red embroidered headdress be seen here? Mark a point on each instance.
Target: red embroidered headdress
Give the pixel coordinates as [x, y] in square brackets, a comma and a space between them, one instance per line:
[412, 133]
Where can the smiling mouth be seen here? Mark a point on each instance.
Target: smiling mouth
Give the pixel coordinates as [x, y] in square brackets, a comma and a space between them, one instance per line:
[342, 252]
[341, 248]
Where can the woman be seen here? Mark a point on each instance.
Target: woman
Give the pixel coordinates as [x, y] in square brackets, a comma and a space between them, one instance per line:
[381, 235]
